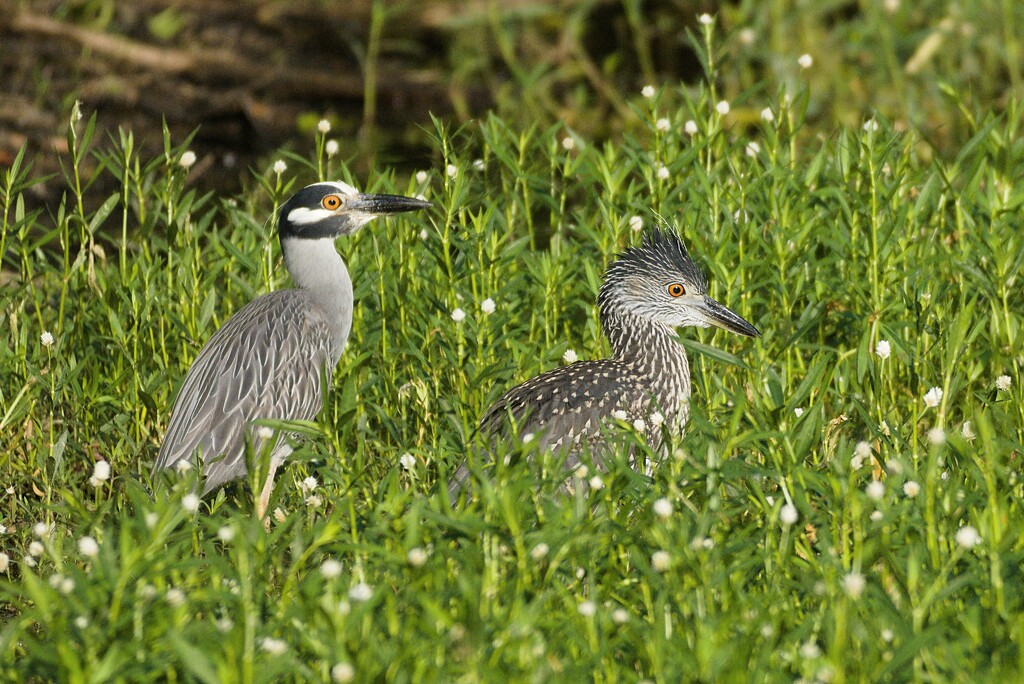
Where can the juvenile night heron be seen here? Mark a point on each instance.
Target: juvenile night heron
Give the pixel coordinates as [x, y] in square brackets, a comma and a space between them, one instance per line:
[267, 360]
[648, 291]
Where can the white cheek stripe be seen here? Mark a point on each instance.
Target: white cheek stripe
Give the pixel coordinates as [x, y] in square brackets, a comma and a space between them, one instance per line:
[302, 216]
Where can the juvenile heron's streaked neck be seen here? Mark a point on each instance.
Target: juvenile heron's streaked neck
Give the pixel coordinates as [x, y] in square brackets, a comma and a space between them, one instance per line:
[316, 267]
[654, 351]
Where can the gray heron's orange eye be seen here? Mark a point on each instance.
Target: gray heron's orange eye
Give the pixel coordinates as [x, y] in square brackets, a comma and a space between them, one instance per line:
[676, 290]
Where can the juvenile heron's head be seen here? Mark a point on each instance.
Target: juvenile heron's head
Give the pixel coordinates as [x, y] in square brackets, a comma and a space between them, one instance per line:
[658, 280]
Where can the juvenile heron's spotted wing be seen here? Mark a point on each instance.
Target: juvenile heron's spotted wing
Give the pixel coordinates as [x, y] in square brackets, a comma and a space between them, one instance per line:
[265, 362]
[566, 408]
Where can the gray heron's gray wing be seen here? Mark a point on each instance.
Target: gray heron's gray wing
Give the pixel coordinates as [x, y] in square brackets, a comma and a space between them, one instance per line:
[265, 362]
[563, 409]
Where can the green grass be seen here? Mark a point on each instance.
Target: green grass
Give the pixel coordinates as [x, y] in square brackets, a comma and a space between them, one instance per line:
[828, 243]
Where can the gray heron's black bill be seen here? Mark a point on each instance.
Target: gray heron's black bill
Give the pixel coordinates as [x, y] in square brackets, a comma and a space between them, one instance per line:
[386, 204]
[718, 315]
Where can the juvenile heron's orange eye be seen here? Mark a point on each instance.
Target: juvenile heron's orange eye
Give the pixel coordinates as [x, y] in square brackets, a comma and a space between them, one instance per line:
[676, 290]
[331, 202]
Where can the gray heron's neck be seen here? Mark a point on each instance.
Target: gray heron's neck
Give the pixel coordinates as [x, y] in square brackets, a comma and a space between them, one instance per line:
[654, 351]
[316, 267]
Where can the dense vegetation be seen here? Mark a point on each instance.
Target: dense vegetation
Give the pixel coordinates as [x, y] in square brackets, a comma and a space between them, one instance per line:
[844, 505]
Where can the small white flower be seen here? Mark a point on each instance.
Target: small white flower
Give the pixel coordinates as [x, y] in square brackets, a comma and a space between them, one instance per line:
[187, 159]
[767, 115]
[639, 425]
[619, 414]
[280, 167]
[343, 672]
[527, 438]
[620, 616]
[596, 483]
[657, 419]
[408, 461]
[330, 568]
[478, 165]
[647, 91]
[587, 608]
[458, 315]
[967, 430]
[937, 436]
[183, 467]
[581, 471]
[788, 515]
[224, 624]
[767, 631]
[263, 432]
[568, 143]
[636, 224]
[569, 356]
[314, 501]
[452, 170]
[66, 585]
[28, 562]
[911, 488]
[421, 177]
[1003, 382]
[967, 537]
[883, 349]
[308, 485]
[487, 306]
[663, 508]
[876, 516]
[861, 453]
[5, 561]
[722, 107]
[660, 560]
[190, 502]
[539, 551]
[663, 172]
[690, 127]
[663, 124]
[423, 234]
[324, 126]
[361, 592]
[870, 126]
[88, 547]
[798, 411]
[36, 548]
[151, 519]
[932, 397]
[46, 338]
[274, 647]
[753, 149]
[705, 19]
[331, 148]
[887, 635]
[101, 471]
[416, 557]
[174, 596]
[805, 61]
[81, 622]
[747, 36]
[875, 490]
[226, 533]
[810, 650]
[853, 585]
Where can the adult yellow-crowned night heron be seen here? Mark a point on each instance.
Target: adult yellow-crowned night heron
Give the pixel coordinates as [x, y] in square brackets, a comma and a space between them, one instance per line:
[267, 360]
[647, 292]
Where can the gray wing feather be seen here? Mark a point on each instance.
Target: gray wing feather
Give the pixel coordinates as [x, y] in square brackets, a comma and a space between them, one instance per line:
[265, 362]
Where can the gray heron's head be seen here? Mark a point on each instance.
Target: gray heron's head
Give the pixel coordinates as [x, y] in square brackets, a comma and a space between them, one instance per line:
[330, 209]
